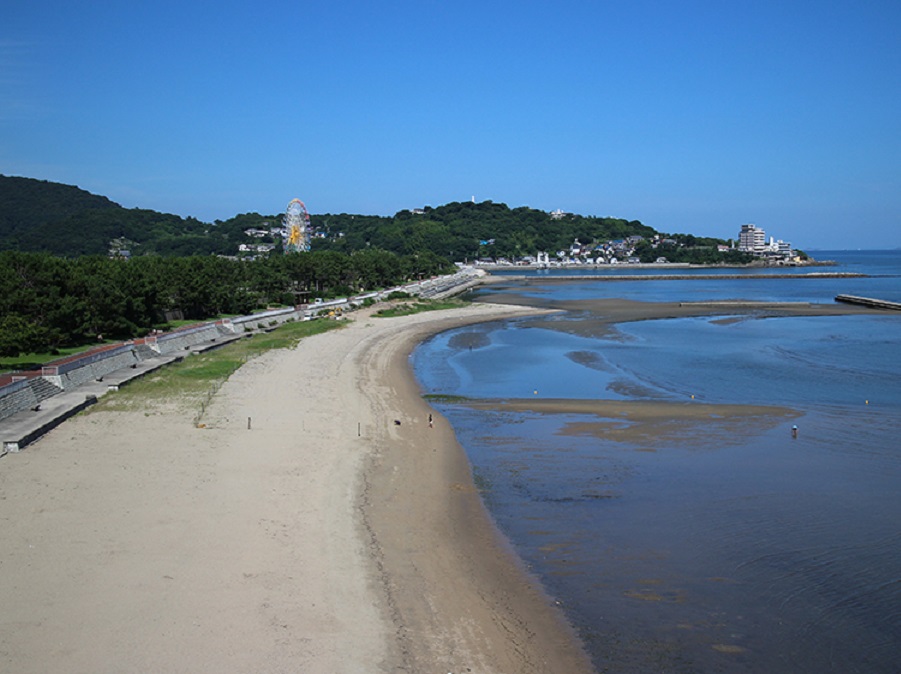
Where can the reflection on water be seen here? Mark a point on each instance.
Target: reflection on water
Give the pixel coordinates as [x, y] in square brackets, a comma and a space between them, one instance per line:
[698, 546]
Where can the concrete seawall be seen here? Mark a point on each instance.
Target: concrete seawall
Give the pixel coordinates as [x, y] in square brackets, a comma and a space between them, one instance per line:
[32, 403]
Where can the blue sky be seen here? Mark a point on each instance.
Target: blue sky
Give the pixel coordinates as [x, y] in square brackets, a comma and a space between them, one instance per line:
[690, 116]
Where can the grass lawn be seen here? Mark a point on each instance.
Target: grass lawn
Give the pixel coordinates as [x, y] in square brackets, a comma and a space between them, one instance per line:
[405, 308]
[195, 379]
[34, 360]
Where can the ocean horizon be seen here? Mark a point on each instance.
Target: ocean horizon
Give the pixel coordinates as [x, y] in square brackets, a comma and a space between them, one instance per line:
[684, 544]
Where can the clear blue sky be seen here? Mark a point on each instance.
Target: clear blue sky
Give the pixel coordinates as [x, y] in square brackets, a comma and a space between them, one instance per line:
[691, 116]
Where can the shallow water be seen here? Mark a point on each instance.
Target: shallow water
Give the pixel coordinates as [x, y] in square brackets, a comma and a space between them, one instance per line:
[699, 548]
[882, 267]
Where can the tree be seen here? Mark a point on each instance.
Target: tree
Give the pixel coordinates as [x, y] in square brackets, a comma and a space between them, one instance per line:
[19, 335]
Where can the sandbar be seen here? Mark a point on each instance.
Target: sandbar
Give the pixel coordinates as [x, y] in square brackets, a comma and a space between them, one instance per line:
[598, 317]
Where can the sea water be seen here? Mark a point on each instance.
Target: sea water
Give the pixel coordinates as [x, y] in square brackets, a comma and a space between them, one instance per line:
[698, 548]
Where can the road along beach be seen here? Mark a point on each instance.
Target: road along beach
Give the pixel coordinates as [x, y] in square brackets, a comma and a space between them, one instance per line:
[337, 532]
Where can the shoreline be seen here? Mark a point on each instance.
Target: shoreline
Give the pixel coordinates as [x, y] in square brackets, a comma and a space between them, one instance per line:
[504, 621]
[326, 538]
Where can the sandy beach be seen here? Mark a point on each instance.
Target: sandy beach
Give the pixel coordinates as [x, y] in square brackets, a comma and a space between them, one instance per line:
[314, 523]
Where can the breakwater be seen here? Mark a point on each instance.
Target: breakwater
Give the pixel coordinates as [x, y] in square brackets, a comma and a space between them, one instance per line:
[526, 278]
[868, 302]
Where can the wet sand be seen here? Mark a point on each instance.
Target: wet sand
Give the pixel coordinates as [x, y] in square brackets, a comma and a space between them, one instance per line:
[648, 424]
[597, 317]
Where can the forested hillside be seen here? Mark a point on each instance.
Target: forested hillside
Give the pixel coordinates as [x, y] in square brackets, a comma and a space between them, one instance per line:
[468, 231]
[40, 216]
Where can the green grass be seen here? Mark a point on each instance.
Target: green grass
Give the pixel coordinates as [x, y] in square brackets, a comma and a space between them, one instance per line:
[34, 360]
[194, 380]
[409, 308]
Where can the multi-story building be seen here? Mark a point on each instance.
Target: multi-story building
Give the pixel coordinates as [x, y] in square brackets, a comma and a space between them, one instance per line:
[751, 239]
[783, 248]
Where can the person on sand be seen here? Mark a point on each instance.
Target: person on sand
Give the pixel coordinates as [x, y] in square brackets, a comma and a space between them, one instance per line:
[430, 421]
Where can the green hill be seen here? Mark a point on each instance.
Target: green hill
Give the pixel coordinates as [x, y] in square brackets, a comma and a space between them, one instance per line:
[466, 230]
[42, 216]
[63, 220]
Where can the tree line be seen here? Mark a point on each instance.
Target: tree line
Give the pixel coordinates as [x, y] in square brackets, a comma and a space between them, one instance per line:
[49, 302]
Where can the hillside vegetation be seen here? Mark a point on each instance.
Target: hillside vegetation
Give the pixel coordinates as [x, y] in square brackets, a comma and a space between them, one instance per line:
[63, 220]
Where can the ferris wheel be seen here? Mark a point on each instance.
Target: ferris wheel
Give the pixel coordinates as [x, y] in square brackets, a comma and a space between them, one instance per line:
[297, 226]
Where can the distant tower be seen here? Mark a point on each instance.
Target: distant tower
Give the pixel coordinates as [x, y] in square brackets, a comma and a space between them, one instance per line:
[297, 227]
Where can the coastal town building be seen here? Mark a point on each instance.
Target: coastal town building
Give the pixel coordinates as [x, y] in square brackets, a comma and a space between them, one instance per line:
[752, 239]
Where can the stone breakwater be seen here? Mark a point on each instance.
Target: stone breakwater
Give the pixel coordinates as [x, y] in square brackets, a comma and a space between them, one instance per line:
[868, 302]
[665, 277]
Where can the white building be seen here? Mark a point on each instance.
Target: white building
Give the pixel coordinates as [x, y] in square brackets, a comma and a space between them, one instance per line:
[751, 239]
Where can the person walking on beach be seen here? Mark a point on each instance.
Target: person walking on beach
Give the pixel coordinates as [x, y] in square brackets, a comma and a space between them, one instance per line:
[430, 421]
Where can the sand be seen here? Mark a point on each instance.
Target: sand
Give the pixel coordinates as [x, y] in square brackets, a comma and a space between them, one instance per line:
[324, 538]
[598, 317]
[646, 425]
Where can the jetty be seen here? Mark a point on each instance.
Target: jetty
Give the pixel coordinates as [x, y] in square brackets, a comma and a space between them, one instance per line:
[551, 278]
[868, 302]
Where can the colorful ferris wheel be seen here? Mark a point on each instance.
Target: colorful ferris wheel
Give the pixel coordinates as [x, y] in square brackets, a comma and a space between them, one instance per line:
[297, 227]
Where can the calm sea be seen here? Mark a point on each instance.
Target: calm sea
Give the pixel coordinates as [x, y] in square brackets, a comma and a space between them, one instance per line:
[698, 548]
